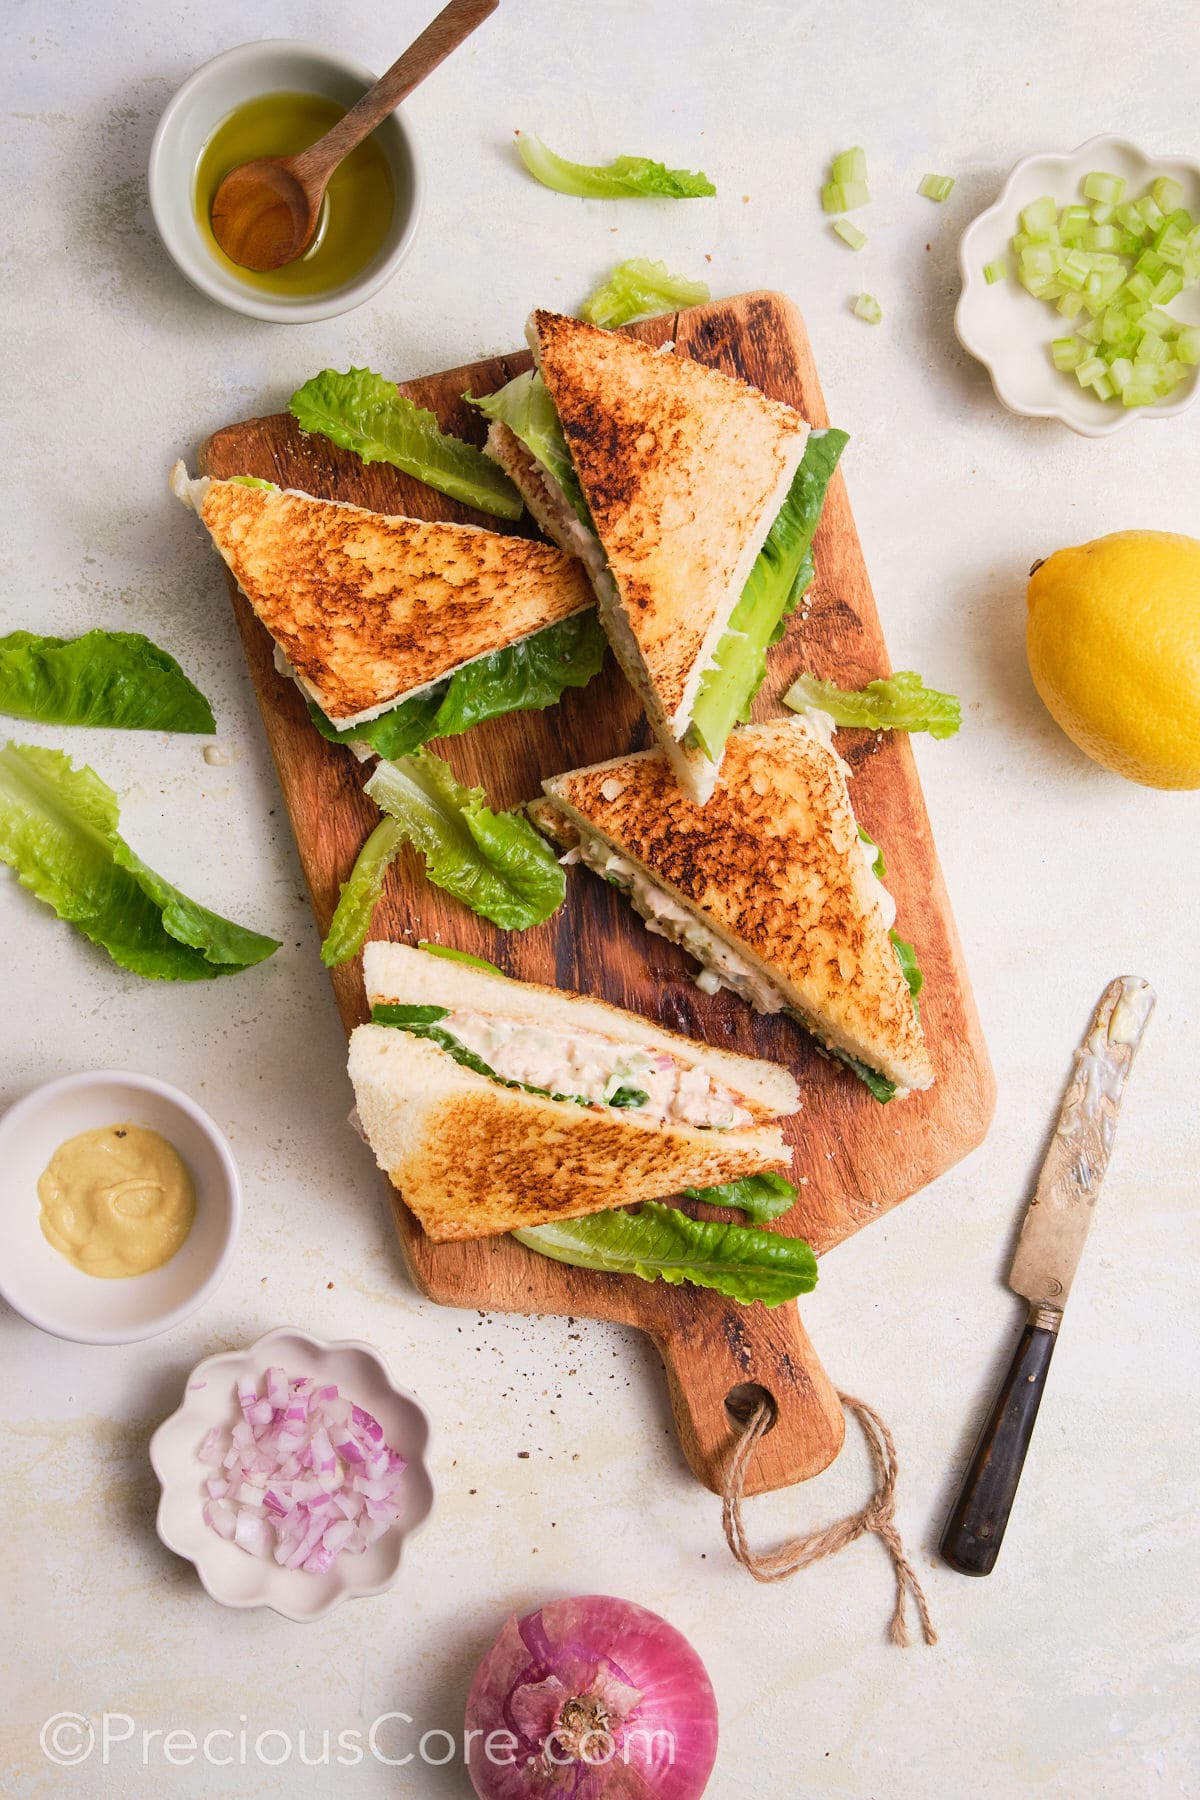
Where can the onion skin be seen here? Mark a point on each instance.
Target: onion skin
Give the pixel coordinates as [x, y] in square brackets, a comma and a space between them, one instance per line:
[591, 1699]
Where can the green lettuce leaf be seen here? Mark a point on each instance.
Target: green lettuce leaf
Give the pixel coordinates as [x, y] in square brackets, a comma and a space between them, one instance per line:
[360, 411]
[255, 481]
[878, 867]
[495, 863]
[58, 831]
[782, 573]
[525, 677]
[625, 177]
[637, 290]
[360, 893]
[661, 1243]
[899, 702]
[879, 1085]
[476, 962]
[906, 956]
[117, 679]
[760, 1197]
[525, 406]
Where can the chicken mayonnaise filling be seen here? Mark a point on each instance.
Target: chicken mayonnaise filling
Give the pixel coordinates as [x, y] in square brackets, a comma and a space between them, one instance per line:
[587, 1066]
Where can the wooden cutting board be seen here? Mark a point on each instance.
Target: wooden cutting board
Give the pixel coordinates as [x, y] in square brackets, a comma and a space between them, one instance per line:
[854, 1158]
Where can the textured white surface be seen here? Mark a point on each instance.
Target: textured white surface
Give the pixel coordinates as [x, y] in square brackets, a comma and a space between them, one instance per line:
[1072, 1670]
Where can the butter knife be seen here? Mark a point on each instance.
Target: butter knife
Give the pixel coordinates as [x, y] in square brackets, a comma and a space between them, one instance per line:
[1047, 1256]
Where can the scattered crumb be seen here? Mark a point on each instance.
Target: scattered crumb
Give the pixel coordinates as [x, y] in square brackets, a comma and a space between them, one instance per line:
[522, 1456]
[217, 757]
[707, 257]
[745, 199]
[329, 1284]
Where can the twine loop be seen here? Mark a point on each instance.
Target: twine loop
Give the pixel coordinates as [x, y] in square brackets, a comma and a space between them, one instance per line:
[877, 1517]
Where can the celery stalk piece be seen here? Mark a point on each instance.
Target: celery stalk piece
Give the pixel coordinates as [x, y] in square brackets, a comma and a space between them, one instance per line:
[1040, 215]
[1168, 285]
[832, 199]
[1068, 352]
[1152, 213]
[1167, 193]
[868, 308]
[854, 193]
[1103, 215]
[1103, 388]
[936, 187]
[1188, 344]
[995, 271]
[849, 233]
[851, 165]
[1120, 373]
[1108, 189]
[1070, 305]
[1089, 370]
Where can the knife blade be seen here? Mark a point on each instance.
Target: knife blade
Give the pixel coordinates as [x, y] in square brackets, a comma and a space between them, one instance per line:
[1043, 1268]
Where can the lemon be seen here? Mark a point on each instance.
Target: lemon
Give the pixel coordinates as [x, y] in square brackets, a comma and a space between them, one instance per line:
[1113, 640]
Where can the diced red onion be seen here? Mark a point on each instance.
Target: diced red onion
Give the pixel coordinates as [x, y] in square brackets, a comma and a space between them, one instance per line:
[306, 1478]
[594, 1698]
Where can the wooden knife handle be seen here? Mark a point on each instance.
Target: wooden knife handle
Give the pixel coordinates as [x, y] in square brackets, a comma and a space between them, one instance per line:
[975, 1529]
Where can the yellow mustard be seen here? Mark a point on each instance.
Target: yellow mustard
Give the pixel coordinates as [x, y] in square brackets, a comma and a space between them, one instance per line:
[117, 1201]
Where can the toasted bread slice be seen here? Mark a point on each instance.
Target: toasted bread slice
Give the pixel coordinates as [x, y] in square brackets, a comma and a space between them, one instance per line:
[684, 470]
[369, 608]
[473, 1155]
[768, 885]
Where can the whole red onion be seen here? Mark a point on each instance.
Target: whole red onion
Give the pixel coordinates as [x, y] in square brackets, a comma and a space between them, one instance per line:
[595, 1699]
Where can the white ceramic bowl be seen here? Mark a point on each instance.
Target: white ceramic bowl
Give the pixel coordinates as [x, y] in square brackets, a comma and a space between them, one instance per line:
[1010, 332]
[39, 1282]
[229, 1573]
[276, 65]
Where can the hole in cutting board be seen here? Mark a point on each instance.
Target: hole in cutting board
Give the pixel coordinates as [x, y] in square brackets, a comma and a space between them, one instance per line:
[744, 1400]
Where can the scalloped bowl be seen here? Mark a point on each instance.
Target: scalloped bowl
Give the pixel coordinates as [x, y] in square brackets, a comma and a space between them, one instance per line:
[1010, 332]
[229, 1573]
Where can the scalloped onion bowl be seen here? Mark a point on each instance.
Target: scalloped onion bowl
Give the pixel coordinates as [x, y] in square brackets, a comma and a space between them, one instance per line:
[230, 1574]
[1010, 332]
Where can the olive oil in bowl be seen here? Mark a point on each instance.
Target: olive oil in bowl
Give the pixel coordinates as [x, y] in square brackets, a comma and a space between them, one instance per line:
[355, 213]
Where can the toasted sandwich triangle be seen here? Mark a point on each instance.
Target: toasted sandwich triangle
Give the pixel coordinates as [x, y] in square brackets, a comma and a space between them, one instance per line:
[773, 866]
[371, 607]
[684, 470]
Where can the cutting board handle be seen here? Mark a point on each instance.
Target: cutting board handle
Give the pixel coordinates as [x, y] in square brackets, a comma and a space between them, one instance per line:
[719, 1358]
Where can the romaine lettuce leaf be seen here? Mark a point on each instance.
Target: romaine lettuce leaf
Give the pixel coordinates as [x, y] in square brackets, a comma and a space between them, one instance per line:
[525, 406]
[899, 702]
[906, 956]
[360, 411]
[117, 679]
[782, 572]
[476, 962]
[360, 894]
[58, 831]
[760, 1197]
[637, 290]
[495, 863]
[525, 677]
[878, 867]
[661, 1243]
[883, 1089]
[625, 177]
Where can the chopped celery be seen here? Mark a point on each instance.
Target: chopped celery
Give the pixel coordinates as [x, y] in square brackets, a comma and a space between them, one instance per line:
[936, 187]
[1068, 352]
[850, 165]
[868, 308]
[1040, 215]
[1111, 267]
[831, 197]
[854, 193]
[849, 233]
[1167, 193]
[1106, 188]
[995, 271]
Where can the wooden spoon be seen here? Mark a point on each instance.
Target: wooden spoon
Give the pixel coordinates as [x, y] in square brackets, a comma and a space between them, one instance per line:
[265, 212]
